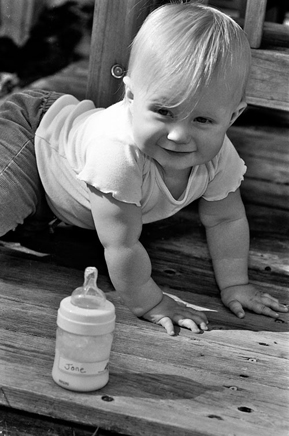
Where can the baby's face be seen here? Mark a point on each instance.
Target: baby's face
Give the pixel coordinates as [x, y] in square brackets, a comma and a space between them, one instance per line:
[179, 143]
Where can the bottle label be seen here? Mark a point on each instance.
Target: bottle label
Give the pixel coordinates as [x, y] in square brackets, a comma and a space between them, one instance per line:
[80, 368]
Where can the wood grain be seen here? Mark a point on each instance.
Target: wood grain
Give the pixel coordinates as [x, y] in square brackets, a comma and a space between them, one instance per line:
[208, 384]
[269, 83]
[159, 385]
[254, 20]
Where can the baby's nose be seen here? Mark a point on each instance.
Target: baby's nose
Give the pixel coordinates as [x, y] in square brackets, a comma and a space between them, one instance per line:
[180, 133]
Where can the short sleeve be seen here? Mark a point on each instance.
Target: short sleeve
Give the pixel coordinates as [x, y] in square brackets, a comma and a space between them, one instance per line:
[226, 172]
[114, 167]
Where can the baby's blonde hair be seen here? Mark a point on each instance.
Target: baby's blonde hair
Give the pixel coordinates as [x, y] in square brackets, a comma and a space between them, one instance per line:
[179, 48]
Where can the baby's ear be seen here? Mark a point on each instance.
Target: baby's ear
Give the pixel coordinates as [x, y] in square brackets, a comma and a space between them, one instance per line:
[128, 89]
[239, 109]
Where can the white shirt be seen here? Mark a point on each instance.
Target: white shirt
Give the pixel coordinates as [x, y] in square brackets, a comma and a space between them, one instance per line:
[78, 145]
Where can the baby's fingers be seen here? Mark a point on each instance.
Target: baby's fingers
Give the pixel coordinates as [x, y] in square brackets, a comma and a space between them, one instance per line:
[192, 320]
[236, 307]
[273, 303]
[264, 306]
[191, 325]
[167, 323]
[262, 309]
[267, 305]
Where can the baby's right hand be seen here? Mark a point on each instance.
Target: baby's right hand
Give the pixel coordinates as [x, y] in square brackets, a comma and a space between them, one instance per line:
[169, 312]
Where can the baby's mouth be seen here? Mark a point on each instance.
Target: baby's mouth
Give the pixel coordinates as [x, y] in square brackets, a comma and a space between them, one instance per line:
[175, 152]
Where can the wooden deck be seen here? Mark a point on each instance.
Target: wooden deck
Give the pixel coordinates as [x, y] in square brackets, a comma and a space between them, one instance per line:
[231, 380]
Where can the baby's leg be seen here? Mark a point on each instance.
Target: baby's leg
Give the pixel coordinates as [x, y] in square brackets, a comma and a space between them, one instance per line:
[21, 192]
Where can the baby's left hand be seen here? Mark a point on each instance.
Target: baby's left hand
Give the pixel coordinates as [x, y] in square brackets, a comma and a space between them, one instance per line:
[238, 298]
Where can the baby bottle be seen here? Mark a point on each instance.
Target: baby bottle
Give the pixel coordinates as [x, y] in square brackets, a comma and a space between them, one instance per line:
[85, 325]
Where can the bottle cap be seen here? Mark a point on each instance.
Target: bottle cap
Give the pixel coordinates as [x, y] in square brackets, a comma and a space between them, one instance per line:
[83, 321]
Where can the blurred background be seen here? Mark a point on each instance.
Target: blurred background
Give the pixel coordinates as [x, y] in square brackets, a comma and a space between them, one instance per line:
[40, 37]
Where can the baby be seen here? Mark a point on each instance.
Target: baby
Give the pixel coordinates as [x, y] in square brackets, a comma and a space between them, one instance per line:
[144, 158]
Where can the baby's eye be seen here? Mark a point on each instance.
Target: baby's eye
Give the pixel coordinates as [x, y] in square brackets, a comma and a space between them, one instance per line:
[164, 112]
[202, 120]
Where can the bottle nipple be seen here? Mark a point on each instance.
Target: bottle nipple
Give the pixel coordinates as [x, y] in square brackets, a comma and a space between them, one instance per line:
[89, 296]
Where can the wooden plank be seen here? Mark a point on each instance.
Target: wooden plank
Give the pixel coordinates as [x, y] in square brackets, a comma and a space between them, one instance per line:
[274, 35]
[140, 339]
[154, 387]
[262, 192]
[269, 82]
[114, 26]
[266, 156]
[180, 244]
[147, 400]
[153, 392]
[254, 20]
[70, 80]
[21, 423]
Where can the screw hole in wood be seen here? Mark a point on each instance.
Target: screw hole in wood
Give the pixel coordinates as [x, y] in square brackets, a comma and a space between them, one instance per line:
[245, 409]
[279, 321]
[170, 271]
[107, 398]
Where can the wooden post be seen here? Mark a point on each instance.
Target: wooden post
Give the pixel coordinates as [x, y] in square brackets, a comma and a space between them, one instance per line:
[254, 21]
[115, 24]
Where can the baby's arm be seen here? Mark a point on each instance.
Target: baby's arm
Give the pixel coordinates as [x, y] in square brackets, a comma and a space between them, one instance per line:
[119, 226]
[228, 240]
